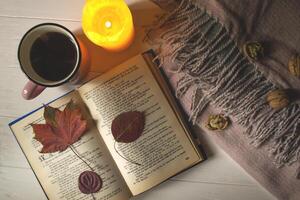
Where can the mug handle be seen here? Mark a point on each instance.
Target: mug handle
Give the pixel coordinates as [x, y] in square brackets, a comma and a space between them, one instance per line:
[32, 90]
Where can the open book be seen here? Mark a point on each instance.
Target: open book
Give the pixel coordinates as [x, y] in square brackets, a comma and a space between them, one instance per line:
[165, 148]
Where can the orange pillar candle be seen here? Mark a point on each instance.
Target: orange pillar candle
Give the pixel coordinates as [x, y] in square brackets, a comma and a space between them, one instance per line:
[108, 23]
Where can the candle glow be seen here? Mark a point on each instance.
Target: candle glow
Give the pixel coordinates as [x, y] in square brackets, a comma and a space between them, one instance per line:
[108, 23]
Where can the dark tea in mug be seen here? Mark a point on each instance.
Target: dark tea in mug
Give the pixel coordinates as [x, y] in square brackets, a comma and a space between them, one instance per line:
[53, 56]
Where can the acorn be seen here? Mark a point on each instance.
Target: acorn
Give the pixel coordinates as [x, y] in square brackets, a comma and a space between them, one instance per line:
[294, 65]
[217, 122]
[278, 99]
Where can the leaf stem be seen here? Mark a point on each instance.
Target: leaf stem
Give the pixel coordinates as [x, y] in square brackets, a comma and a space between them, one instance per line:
[127, 159]
[74, 151]
[93, 196]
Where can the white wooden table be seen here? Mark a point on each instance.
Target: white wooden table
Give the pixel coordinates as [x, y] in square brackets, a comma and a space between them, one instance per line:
[217, 178]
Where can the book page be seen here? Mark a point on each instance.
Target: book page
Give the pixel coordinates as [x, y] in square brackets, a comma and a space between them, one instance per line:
[58, 172]
[164, 149]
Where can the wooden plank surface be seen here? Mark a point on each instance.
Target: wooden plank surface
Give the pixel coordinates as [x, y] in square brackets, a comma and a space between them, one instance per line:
[217, 178]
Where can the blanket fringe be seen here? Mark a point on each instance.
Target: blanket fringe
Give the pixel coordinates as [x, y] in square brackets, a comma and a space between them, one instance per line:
[212, 63]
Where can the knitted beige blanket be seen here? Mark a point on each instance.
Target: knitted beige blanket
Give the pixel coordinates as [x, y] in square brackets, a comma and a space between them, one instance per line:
[201, 51]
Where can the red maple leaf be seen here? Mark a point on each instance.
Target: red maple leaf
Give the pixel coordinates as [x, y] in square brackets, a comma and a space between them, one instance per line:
[62, 128]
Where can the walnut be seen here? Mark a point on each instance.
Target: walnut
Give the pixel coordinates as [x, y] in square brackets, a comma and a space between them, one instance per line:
[253, 50]
[217, 122]
[278, 99]
[294, 65]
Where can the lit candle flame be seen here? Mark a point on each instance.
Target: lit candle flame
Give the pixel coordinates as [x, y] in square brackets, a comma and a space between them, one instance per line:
[108, 24]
